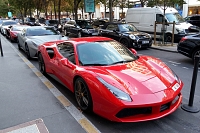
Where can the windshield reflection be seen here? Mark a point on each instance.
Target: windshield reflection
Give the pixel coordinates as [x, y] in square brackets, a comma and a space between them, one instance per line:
[104, 53]
[174, 17]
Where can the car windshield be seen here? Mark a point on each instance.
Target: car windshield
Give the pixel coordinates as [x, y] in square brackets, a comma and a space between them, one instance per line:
[9, 23]
[127, 27]
[84, 24]
[104, 53]
[53, 22]
[176, 17]
[42, 31]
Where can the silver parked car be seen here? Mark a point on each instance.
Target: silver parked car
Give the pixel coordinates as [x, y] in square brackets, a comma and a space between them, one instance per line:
[31, 37]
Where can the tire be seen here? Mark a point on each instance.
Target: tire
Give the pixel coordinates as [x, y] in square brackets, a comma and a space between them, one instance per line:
[27, 52]
[79, 34]
[168, 37]
[19, 47]
[82, 95]
[125, 42]
[41, 64]
[196, 52]
[65, 32]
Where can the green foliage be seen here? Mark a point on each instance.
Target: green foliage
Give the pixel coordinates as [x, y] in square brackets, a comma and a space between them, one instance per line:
[170, 3]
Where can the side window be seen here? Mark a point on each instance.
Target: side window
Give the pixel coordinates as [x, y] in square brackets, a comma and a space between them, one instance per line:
[67, 50]
[159, 18]
[111, 27]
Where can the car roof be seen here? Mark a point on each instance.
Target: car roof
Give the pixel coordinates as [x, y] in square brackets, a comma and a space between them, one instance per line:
[81, 40]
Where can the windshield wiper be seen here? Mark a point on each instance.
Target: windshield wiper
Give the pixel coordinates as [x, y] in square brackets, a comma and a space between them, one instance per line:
[95, 64]
[119, 62]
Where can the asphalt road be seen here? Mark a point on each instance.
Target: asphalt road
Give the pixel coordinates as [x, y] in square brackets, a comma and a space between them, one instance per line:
[178, 122]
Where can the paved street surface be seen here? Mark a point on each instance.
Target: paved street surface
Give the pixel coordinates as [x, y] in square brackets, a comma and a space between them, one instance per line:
[26, 95]
[29, 103]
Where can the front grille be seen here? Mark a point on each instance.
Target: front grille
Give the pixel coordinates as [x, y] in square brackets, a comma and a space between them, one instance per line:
[164, 107]
[143, 37]
[133, 111]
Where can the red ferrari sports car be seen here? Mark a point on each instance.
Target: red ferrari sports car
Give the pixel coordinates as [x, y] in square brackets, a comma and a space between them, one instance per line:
[13, 30]
[112, 80]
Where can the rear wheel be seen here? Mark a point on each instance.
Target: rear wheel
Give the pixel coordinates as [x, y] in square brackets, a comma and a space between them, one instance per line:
[41, 64]
[82, 95]
[196, 53]
[65, 32]
[79, 34]
[168, 37]
[125, 42]
[27, 52]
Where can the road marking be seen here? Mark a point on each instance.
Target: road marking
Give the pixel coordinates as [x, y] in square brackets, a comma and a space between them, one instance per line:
[174, 62]
[85, 123]
[79, 117]
[48, 84]
[185, 67]
[39, 74]
[63, 100]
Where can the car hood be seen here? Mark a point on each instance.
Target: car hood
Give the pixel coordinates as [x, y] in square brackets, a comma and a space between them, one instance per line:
[183, 24]
[41, 39]
[146, 75]
[137, 33]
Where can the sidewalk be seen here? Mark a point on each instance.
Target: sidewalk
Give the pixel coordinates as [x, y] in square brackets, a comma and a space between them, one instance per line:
[165, 47]
[29, 103]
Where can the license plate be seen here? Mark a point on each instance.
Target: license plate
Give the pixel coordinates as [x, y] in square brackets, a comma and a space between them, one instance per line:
[175, 87]
[94, 34]
[144, 42]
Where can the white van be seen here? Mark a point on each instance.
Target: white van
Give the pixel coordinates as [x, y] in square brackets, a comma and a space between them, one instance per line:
[144, 20]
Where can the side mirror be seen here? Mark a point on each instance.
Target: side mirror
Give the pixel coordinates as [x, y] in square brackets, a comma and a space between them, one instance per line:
[65, 62]
[133, 51]
[50, 53]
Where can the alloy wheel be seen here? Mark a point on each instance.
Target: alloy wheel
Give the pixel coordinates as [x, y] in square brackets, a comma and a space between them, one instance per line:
[27, 51]
[41, 64]
[82, 95]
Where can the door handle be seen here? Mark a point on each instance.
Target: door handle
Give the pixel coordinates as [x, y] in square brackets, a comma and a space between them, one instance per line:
[151, 25]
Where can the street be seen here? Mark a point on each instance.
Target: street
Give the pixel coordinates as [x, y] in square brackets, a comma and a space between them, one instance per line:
[179, 121]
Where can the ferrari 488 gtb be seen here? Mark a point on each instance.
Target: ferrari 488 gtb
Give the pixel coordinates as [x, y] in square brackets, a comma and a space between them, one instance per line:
[112, 80]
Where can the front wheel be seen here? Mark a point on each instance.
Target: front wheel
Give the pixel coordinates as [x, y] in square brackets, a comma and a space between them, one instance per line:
[125, 42]
[82, 95]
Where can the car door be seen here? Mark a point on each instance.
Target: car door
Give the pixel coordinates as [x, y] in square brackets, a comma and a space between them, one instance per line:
[114, 32]
[111, 31]
[66, 64]
[22, 38]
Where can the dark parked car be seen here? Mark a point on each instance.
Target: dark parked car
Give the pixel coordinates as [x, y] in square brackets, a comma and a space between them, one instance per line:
[189, 46]
[29, 21]
[99, 23]
[55, 24]
[193, 19]
[79, 28]
[127, 34]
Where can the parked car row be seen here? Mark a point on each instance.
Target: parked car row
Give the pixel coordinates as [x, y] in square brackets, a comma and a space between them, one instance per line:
[106, 77]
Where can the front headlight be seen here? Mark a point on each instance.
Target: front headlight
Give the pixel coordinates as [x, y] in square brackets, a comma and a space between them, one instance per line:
[176, 77]
[59, 26]
[132, 37]
[180, 31]
[115, 91]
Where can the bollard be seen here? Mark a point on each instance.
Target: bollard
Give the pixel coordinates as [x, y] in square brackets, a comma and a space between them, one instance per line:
[189, 107]
[1, 47]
